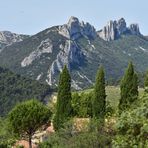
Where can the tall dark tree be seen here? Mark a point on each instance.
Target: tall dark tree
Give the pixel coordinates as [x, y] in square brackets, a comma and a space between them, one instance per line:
[129, 87]
[99, 101]
[146, 82]
[64, 107]
[134, 90]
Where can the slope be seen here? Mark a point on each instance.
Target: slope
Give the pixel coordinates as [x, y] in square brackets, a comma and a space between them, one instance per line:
[15, 88]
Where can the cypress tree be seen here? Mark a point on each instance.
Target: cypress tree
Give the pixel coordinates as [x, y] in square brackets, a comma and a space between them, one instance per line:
[134, 89]
[99, 100]
[63, 108]
[128, 87]
[146, 82]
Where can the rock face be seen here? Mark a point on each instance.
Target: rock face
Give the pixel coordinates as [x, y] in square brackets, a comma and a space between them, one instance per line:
[75, 29]
[8, 37]
[134, 28]
[108, 33]
[69, 55]
[114, 29]
[45, 47]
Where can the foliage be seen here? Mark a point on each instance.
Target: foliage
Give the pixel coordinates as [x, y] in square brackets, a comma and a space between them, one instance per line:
[6, 137]
[63, 108]
[129, 88]
[26, 118]
[67, 138]
[146, 82]
[99, 100]
[15, 88]
[109, 110]
[132, 125]
[82, 104]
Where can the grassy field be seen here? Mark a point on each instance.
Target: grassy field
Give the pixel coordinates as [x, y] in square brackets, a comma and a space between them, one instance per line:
[113, 94]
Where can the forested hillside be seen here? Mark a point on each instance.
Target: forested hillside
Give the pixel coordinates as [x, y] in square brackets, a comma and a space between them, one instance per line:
[15, 88]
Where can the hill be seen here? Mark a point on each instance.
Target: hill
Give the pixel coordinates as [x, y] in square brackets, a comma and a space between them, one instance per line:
[15, 88]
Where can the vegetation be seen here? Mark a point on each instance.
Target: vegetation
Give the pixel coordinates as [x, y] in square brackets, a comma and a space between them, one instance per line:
[88, 138]
[6, 137]
[129, 129]
[99, 100]
[15, 88]
[82, 104]
[74, 125]
[132, 125]
[64, 108]
[26, 118]
[129, 88]
[146, 82]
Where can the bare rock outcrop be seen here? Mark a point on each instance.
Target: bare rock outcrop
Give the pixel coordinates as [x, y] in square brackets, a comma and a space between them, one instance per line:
[8, 37]
[70, 54]
[134, 28]
[115, 29]
[75, 29]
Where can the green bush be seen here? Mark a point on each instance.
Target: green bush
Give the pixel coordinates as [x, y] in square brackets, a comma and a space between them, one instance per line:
[82, 104]
[132, 126]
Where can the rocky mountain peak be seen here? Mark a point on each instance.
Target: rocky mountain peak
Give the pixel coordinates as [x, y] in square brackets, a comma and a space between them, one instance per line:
[108, 33]
[72, 20]
[74, 29]
[8, 37]
[134, 28]
[121, 26]
[115, 29]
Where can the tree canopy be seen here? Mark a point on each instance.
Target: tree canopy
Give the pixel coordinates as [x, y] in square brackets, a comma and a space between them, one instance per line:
[15, 88]
[26, 118]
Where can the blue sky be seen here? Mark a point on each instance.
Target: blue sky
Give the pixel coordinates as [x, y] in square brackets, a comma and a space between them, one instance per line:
[32, 16]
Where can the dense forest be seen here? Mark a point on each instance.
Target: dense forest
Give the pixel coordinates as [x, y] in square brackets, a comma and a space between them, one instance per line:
[15, 88]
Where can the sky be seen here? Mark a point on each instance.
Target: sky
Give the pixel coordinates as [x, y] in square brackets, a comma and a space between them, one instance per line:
[32, 16]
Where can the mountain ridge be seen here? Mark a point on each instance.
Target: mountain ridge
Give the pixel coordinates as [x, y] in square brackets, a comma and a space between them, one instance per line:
[77, 45]
[8, 38]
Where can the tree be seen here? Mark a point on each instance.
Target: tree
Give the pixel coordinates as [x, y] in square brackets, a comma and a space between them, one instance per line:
[132, 126]
[134, 89]
[128, 87]
[146, 82]
[27, 117]
[99, 101]
[64, 107]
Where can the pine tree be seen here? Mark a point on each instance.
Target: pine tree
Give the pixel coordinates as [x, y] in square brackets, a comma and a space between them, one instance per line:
[99, 100]
[28, 117]
[64, 108]
[128, 87]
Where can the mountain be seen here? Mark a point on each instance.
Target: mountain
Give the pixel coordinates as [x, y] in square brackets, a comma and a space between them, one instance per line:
[79, 46]
[115, 29]
[8, 38]
[15, 88]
